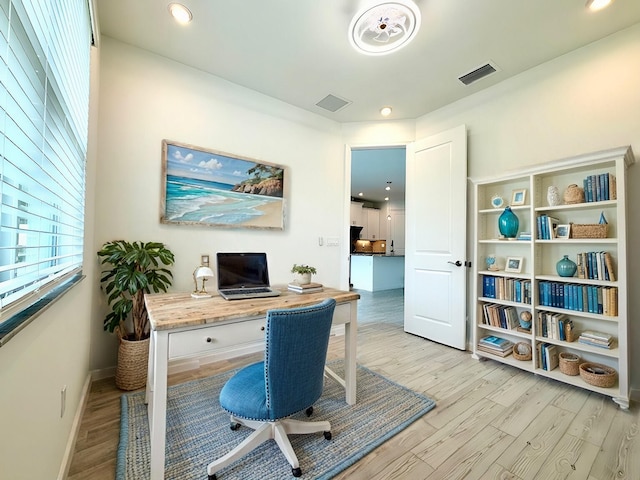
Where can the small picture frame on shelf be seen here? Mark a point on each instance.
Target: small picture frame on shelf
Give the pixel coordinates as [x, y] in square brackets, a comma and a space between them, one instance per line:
[563, 231]
[513, 265]
[519, 197]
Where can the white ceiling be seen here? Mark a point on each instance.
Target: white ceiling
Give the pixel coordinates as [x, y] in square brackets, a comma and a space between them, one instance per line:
[298, 50]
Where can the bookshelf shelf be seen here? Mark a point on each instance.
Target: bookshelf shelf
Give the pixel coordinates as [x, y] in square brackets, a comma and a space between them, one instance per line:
[557, 304]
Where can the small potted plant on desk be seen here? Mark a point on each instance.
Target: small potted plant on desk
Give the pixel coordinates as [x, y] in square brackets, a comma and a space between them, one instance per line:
[136, 268]
[303, 273]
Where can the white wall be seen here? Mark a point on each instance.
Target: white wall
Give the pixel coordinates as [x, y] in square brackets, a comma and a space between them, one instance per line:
[585, 101]
[146, 98]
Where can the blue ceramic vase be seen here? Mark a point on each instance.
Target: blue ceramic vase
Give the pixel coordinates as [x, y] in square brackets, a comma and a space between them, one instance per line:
[566, 267]
[508, 223]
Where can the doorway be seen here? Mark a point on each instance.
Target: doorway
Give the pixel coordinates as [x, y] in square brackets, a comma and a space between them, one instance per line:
[377, 213]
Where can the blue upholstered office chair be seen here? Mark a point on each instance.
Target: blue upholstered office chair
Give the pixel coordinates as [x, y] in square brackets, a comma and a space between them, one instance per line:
[290, 379]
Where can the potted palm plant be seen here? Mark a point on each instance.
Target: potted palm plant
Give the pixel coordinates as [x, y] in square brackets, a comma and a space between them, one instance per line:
[134, 268]
[303, 273]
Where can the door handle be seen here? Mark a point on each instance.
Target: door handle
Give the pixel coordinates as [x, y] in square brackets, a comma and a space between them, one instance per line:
[457, 263]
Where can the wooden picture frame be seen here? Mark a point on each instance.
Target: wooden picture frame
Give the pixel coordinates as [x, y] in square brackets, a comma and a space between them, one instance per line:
[513, 264]
[519, 196]
[211, 188]
[563, 231]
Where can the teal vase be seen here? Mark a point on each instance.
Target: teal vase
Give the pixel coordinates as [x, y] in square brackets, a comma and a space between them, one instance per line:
[508, 223]
[566, 267]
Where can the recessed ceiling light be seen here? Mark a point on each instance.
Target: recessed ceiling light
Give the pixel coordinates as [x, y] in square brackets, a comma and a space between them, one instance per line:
[180, 13]
[597, 4]
[385, 111]
[383, 27]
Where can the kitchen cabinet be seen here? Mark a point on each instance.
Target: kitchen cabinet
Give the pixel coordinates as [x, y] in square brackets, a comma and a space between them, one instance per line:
[356, 214]
[373, 223]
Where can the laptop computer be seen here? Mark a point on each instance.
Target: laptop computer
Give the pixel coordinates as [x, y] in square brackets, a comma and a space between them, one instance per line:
[243, 275]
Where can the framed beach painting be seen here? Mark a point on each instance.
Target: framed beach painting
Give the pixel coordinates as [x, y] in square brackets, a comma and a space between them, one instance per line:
[211, 188]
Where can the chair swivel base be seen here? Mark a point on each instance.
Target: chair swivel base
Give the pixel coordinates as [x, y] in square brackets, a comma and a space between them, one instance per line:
[263, 431]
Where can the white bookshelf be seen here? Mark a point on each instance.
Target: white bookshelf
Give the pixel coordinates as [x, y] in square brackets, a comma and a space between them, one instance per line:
[539, 258]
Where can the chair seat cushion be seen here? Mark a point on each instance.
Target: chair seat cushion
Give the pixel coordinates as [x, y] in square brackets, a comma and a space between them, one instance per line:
[245, 394]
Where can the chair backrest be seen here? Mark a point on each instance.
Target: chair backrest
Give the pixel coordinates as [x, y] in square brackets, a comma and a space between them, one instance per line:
[295, 354]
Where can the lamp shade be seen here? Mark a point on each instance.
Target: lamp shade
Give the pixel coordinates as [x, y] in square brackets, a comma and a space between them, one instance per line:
[201, 274]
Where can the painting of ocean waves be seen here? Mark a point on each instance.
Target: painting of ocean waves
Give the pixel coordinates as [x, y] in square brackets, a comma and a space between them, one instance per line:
[206, 187]
[192, 200]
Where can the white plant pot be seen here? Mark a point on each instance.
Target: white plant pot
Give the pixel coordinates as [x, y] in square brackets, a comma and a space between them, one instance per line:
[302, 278]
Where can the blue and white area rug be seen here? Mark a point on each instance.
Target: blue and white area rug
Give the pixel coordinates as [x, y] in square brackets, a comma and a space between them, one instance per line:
[198, 430]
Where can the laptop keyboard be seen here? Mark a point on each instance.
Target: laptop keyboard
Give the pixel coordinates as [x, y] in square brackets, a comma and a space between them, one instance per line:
[240, 291]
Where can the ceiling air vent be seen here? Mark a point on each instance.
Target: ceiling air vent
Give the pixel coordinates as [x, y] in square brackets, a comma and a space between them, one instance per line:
[478, 73]
[333, 103]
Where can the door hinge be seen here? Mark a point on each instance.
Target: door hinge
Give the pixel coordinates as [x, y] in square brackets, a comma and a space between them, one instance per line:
[467, 263]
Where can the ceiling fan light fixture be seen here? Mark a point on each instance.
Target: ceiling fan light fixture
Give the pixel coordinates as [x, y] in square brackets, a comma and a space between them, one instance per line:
[595, 5]
[180, 13]
[382, 28]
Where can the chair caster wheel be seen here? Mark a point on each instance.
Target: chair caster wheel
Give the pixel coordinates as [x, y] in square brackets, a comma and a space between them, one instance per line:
[327, 435]
[212, 477]
[234, 426]
[297, 472]
[309, 411]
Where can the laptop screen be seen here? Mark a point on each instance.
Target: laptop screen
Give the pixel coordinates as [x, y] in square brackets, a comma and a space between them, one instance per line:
[238, 270]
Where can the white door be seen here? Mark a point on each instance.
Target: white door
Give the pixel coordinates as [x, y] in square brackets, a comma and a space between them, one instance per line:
[436, 221]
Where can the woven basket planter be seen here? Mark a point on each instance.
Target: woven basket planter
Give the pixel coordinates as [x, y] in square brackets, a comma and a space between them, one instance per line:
[569, 363]
[598, 375]
[131, 370]
[522, 351]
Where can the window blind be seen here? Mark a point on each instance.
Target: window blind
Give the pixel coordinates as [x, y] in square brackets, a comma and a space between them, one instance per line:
[44, 102]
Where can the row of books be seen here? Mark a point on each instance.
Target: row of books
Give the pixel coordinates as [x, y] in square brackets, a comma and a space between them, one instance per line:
[495, 345]
[556, 326]
[596, 339]
[548, 356]
[502, 316]
[598, 188]
[306, 288]
[580, 298]
[546, 227]
[505, 288]
[595, 265]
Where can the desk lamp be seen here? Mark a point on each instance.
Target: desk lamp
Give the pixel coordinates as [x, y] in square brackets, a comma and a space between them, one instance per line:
[203, 273]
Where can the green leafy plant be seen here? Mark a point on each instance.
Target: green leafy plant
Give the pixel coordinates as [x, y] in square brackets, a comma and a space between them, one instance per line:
[136, 268]
[303, 269]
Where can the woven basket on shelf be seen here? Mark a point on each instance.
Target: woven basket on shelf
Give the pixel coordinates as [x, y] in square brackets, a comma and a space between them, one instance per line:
[133, 358]
[598, 375]
[573, 194]
[569, 363]
[521, 351]
[589, 230]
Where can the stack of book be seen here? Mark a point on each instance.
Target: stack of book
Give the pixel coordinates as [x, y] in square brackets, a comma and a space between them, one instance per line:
[495, 345]
[596, 339]
[306, 288]
[548, 357]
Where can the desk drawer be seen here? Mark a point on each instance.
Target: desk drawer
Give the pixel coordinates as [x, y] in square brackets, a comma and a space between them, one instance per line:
[214, 337]
[342, 314]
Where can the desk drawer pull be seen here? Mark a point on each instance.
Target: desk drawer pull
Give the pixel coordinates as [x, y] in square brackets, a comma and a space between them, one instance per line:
[262, 328]
[209, 339]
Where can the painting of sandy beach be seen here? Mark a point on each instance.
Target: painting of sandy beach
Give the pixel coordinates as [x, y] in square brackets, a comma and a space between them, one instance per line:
[206, 187]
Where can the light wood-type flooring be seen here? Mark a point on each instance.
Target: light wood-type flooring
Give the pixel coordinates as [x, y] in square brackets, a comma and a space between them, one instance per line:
[491, 421]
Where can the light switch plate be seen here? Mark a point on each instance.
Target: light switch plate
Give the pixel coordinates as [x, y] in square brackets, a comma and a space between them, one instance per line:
[204, 260]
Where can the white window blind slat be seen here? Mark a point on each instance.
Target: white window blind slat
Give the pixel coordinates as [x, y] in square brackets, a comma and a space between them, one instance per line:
[44, 98]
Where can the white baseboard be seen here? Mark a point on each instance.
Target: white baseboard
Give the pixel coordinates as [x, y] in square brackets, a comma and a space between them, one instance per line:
[75, 429]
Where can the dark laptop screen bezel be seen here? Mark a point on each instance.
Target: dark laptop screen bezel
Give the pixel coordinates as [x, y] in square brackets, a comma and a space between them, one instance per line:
[242, 270]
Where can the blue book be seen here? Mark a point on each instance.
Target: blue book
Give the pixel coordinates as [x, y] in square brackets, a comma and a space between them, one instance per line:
[606, 186]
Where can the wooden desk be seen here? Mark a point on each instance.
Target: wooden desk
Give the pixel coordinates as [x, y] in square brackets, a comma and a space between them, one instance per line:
[182, 326]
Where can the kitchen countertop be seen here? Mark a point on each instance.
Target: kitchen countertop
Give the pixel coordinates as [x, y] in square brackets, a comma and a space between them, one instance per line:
[373, 254]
